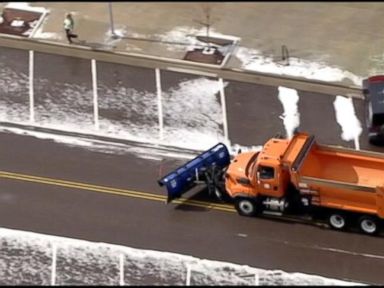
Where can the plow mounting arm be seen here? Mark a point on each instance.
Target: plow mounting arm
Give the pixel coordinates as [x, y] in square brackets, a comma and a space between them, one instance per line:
[187, 176]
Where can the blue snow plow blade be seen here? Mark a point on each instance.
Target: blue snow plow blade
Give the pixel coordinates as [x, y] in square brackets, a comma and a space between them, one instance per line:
[185, 177]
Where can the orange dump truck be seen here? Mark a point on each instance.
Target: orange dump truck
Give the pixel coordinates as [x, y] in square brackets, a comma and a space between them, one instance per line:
[297, 177]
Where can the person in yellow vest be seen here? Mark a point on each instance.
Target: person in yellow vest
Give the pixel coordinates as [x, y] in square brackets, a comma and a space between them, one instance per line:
[69, 25]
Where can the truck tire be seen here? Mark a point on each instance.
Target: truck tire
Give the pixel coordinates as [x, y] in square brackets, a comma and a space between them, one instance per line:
[245, 206]
[368, 225]
[337, 220]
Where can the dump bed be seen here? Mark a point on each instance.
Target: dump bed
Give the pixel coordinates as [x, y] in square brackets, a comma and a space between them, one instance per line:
[341, 178]
[297, 150]
[306, 158]
[359, 168]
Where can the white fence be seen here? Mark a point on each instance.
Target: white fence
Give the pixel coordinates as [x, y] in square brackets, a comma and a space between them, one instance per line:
[28, 258]
[201, 118]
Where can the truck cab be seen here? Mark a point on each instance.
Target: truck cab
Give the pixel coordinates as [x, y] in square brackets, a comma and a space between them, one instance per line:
[373, 90]
[259, 173]
[258, 181]
[271, 177]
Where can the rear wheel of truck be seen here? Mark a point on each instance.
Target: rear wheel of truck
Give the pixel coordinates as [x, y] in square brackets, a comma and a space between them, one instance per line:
[246, 206]
[337, 220]
[369, 224]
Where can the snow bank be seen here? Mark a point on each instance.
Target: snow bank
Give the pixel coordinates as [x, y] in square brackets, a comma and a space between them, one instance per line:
[27, 259]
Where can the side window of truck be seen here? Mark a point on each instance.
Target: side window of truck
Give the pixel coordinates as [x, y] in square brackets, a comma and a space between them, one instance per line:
[266, 172]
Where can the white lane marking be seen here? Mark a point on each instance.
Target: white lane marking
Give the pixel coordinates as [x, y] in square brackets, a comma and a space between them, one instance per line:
[159, 103]
[318, 247]
[31, 89]
[336, 250]
[95, 97]
[349, 252]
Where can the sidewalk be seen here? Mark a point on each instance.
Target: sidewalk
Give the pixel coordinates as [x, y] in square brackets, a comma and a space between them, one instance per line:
[342, 35]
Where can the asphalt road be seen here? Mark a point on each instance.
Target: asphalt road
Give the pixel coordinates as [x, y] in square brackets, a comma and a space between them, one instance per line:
[101, 214]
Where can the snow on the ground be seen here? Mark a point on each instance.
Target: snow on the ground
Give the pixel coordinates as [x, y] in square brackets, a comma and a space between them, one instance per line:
[291, 117]
[193, 109]
[39, 34]
[100, 145]
[345, 115]
[187, 36]
[183, 34]
[179, 39]
[119, 32]
[346, 118]
[87, 263]
[25, 6]
[236, 148]
[194, 121]
[253, 59]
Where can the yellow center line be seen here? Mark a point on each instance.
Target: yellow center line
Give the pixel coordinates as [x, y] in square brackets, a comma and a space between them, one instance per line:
[110, 190]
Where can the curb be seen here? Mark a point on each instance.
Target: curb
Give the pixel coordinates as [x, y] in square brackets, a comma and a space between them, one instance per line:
[149, 61]
[89, 136]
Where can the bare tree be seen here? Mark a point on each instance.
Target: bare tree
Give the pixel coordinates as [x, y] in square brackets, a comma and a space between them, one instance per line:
[208, 21]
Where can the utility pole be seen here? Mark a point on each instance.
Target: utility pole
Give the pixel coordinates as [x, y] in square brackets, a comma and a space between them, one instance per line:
[114, 36]
[208, 21]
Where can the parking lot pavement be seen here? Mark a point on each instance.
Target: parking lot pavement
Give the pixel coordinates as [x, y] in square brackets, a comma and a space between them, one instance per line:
[343, 35]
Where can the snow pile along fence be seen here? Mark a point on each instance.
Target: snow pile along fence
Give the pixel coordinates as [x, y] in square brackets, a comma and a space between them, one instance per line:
[28, 258]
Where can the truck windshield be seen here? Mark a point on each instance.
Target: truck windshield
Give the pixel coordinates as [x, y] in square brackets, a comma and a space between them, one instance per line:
[266, 172]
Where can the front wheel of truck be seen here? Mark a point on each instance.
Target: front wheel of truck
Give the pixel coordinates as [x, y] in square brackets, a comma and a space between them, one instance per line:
[246, 206]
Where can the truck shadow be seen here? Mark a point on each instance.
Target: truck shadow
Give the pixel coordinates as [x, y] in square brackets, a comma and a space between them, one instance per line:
[193, 202]
[201, 195]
